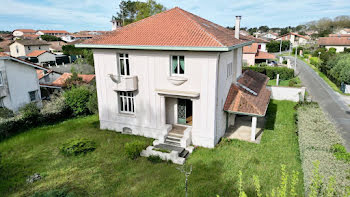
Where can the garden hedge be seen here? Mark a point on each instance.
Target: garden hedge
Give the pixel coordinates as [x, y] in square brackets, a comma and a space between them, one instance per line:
[271, 72]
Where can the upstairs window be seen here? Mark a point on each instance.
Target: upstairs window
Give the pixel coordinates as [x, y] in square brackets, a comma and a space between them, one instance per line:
[28, 47]
[124, 64]
[229, 71]
[177, 65]
[127, 104]
[33, 95]
[1, 80]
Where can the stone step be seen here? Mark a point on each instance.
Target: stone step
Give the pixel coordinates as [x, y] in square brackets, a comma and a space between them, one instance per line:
[184, 154]
[173, 138]
[170, 147]
[172, 143]
[175, 135]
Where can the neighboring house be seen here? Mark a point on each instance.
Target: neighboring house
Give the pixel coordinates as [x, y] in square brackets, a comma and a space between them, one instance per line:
[19, 84]
[295, 39]
[339, 43]
[41, 57]
[20, 48]
[57, 33]
[270, 36]
[343, 31]
[253, 55]
[61, 81]
[56, 46]
[74, 37]
[155, 79]
[18, 33]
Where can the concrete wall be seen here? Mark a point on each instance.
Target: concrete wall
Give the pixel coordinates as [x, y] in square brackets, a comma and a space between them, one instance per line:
[46, 57]
[249, 58]
[287, 93]
[153, 71]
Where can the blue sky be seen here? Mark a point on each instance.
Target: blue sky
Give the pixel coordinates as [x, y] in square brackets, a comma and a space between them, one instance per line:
[76, 15]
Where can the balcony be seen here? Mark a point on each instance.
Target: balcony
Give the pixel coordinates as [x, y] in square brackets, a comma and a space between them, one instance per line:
[124, 83]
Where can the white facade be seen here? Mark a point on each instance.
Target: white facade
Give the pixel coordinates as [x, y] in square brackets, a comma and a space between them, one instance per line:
[205, 83]
[338, 48]
[20, 81]
[46, 57]
[18, 49]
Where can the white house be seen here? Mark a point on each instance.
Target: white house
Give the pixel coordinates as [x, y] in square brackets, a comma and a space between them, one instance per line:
[21, 33]
[340, 43]
[57, 33]
[20, 48]
[295, 39]
[168, 77]
[270, 35]
[41, 57]
[19, 84]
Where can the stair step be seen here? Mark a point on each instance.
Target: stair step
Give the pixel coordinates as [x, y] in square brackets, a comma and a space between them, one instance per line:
[184, 153]
[173, 138]
[172, 143]
[170, 147]
[175, 135]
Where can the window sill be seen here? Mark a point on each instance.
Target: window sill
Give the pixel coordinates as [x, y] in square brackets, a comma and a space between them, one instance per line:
[177, 80]
[126, 114]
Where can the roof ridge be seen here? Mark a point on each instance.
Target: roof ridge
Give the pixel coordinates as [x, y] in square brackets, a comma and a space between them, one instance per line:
[194, 22]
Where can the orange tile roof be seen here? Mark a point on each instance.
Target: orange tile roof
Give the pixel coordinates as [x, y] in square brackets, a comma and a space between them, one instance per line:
[61, 81]
[251, 48]
[40, 74]
[292, 33]
[2, 54]
[334, 41]
[35, 53]
[241, 99]
[264, 55]
[339, 35]
[173, 28]
[26, 30]
[54, 31]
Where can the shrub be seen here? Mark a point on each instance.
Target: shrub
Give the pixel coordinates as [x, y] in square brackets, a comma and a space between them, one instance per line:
[133, 149]
[271, 72]
[315, 61]
[294, 82]
[274, 46]
[317, 135]
[77, 99]
[56, 104]
[154, 159]
[340, 152]
[6, 113]
[332, 50]
[92, 104]
[77, 147]
[30, 111]
[284, 62]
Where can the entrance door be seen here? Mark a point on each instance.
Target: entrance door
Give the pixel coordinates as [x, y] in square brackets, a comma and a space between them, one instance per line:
[181, 111]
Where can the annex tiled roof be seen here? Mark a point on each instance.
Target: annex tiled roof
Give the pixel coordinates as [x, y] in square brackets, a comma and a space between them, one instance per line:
[174, 28]
[61, 81]
[26, 30]
[2, 54]
[264, 55]
[32, 42]
[35, 53]
[339, 35]
[334, 41]
[54, 31]
[241, 98]
[251, 48]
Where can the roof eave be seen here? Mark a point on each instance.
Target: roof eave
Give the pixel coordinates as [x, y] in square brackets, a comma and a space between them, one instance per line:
[168, 48]
[23, 62]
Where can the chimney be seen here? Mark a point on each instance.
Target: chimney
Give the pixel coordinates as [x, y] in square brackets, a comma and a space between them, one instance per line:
[116, 23]
[237, 26]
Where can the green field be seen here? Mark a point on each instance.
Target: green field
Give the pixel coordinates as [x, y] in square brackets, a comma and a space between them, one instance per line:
[109, 172]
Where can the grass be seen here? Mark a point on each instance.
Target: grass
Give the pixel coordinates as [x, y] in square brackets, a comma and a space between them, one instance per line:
[324, 77]
[284, 83]
[109, 172]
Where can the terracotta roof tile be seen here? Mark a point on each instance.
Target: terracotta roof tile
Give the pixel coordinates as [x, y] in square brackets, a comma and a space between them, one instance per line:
[32, 42]
[251, 48]
[35, 53]
[339, 35]
[334, 41]
[26, 30]
[2, 54]
[174, 27]
[264, 55]
[240, 100]
[61, 81]
[54, 31]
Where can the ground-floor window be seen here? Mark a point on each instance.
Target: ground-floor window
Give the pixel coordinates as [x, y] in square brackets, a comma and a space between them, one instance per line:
[2, 103]
[127, 102]
[33, 95]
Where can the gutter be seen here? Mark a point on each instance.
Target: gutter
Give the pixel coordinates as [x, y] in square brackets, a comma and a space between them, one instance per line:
[167, 48]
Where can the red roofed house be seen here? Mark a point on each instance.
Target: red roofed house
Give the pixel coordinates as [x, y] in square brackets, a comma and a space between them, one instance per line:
[19, 84]
[20, 33]
[339, 43]
[168, 76]
[19, 48]
[57, 33]
[295, 39]
[255, 54]
[61, 81]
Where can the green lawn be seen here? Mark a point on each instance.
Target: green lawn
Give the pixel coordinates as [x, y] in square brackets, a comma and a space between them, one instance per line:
[108, 172]
[284, 83]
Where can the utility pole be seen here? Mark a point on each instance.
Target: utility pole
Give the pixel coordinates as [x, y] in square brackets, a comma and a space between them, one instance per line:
[296, 52]
[281, 47]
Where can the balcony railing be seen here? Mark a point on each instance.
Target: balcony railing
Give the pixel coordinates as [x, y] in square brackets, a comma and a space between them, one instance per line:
[124, 83]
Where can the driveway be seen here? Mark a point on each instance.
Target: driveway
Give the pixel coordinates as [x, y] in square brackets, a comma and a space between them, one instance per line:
[330, 101]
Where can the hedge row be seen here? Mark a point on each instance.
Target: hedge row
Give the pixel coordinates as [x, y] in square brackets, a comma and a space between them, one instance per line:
[271, 72]
[317, 137]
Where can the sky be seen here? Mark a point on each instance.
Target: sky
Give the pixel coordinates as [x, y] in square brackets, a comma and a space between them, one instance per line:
[77, 15]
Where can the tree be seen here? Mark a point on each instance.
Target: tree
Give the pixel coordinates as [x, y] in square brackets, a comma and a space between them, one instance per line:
[131, 11]
[284, 31]
[50, 38]
[264, 28]
[252, 30]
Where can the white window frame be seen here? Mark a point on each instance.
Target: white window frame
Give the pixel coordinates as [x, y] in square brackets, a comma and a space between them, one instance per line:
[126, 63]
[36, 96]
[178, 66]
[229, 71]
[1, 79]
[129, 99]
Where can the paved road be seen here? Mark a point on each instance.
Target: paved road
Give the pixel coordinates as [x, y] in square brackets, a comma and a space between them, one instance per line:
[329, 100]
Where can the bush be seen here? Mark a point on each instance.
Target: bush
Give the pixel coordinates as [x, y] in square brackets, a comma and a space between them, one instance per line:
[316, 61]
[56, 104]
[30, 111]
[317, 136]
[77, 147]
[271, 72]
[295, 82]
[133, 149]
[154, 159]
[274, 46]
[92, 104]
[77, 99]
[50, 38]
[340, 152]
[6, 113]
[284, 62]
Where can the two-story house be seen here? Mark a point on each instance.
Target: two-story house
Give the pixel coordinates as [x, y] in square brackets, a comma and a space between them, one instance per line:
[57, 33]
[20, 48]
[168, 77]
[19, 83]
[295, 39]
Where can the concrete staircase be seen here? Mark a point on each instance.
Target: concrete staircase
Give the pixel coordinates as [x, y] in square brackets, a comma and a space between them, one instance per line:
[173, 141]
[182, 151]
